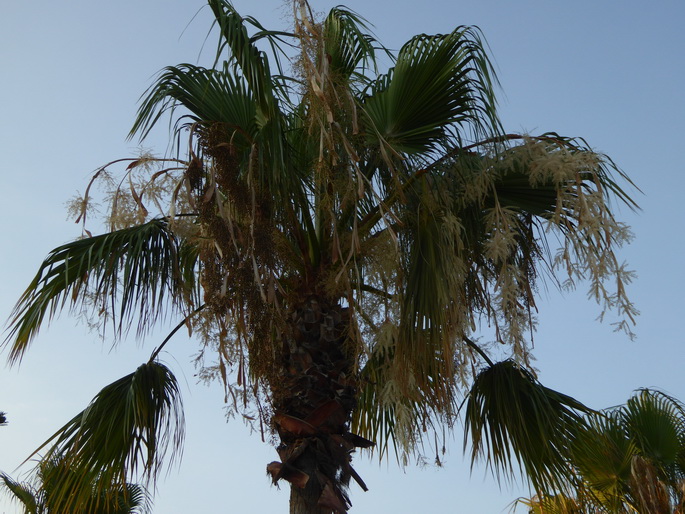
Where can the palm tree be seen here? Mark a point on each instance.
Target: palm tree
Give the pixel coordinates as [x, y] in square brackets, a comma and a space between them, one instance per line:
[627, 459]
[334, 236]
[45, 495]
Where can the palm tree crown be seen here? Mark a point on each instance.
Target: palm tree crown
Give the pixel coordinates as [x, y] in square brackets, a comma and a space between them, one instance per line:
[334, 236]
[629, 458]
[53, 477]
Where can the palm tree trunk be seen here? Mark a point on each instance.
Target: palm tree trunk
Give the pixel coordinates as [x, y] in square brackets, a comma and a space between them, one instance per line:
[304, 501]
[313, 400]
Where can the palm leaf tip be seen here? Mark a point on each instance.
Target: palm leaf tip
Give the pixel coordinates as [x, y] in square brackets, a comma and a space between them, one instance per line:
[511, 417]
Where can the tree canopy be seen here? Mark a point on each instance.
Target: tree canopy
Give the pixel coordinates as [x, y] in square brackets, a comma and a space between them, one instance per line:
[336, 237]
[629, 458]
[45, 493]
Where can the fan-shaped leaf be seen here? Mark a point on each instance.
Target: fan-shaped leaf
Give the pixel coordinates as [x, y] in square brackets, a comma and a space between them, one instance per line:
[437, 81]
[129, 426]
[107, 270]
[511, 417]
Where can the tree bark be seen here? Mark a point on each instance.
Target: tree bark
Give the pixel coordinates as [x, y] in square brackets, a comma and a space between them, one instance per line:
[313, 400]
[305, 500]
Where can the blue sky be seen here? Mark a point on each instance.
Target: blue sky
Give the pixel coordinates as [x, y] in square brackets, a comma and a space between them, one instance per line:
[611, 72]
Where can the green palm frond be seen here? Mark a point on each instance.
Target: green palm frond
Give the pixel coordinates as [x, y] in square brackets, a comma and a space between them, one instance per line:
[108, 270]
[347, 45]
[212, 96]
[601, 453]
[437, 82]
[47, 496]
[477, 221]
[626, 459]
[375, 422]
[511, 417]
[432, 297]
[527, 172]
[23, 493]
[252, 63]
[552, 504]
[382, 410]
[599, 173]
[656, 423]
[134, 498]
[54, 475]
[243, 97]
[128, 427]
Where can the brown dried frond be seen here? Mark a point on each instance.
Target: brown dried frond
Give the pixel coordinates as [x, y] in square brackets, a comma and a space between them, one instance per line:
[651, 494]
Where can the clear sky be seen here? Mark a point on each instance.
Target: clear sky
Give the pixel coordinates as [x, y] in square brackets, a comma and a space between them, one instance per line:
[72, 73]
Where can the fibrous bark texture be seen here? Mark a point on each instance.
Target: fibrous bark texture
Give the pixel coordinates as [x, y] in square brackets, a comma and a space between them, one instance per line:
[313, 403]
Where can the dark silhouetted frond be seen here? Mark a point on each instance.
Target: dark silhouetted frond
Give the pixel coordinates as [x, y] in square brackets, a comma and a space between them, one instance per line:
[127, 428]
[511, 417]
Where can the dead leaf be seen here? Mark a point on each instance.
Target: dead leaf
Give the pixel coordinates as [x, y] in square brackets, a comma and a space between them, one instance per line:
[330, 414]
[331, 499]
[295, 426]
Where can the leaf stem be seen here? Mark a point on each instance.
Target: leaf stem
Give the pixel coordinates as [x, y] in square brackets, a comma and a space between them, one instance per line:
[155, 353]
[478, 350]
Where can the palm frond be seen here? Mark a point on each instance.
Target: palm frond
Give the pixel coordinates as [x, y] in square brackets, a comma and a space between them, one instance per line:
[375, 422]
[241, 96]
[212, 96]
[479, 222]
[127, 428]
[376, 414]
[597, 171]
[512, 418]
[21, 492]
[131, 499]
[624, 459]
[347, 45]
[437, 81]
[601, 453]
[47, 495]
[432, 296]
[107, 270]
[252, 63]
[655, 421]
[551, 504]
[134, 498]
